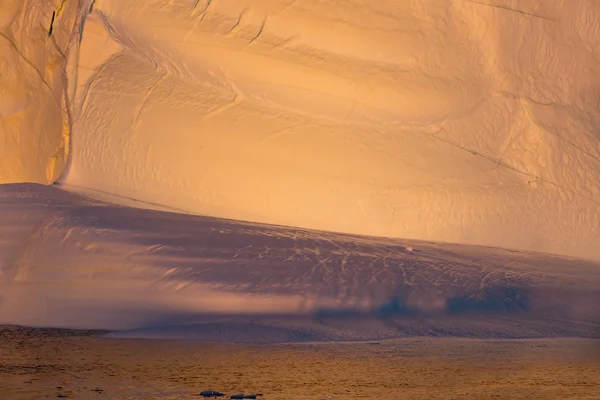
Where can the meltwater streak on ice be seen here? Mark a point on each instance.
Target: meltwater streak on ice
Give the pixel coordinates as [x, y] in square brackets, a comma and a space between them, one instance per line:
[87, 264]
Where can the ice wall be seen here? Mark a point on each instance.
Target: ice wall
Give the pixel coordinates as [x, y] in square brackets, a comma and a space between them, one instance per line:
[449, 120]
[34, 120]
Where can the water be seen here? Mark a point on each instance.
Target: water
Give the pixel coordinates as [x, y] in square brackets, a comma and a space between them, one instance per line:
[43, 364]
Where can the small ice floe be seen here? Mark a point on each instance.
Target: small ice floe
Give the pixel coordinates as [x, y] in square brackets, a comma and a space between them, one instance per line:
[211, 393]
[245, 396]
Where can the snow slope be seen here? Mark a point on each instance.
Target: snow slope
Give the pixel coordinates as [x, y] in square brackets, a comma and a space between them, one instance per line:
[450, 120]
[76, 263]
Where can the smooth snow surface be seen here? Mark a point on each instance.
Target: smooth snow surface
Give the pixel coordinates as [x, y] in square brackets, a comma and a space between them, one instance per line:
[450, 120]
[76, 263]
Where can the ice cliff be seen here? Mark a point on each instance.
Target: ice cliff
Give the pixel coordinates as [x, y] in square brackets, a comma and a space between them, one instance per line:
[450, 120]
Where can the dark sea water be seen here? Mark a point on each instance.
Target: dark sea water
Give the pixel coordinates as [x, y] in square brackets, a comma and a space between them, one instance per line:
[46, 364]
